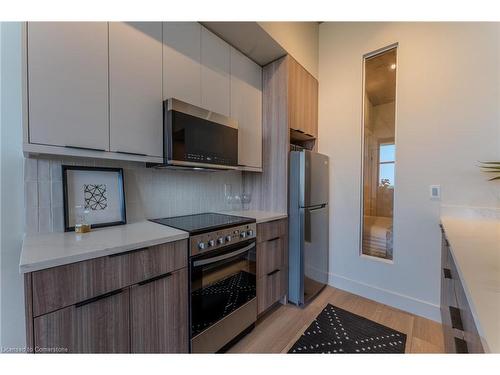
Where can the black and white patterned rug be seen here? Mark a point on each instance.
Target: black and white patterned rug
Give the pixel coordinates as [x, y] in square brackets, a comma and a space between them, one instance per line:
[338, 331]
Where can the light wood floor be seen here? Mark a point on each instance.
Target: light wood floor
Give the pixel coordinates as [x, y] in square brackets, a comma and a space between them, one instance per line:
[279, 329]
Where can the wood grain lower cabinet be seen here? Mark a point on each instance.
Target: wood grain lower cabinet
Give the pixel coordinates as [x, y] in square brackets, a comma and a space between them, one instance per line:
[270, 256]
[58, 287]
[470, 332]
[272, 229]
[271, 288]
[135, 301]
[272, 263]
[159, 314]
[99, 326]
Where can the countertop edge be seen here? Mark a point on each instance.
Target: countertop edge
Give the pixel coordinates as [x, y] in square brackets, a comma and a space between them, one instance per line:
[263, 217]
[42, 265]
[266, 220]
[259, 216]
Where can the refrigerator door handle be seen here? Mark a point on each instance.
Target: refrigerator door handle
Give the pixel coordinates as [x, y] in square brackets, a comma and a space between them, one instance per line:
[316, 207]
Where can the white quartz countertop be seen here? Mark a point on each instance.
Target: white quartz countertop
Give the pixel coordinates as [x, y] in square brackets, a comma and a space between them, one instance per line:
[48, 250]
[259, 216]
[475, 247]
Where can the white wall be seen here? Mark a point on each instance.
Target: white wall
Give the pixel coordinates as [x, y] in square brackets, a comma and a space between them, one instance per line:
[12, 295]
[299, 39]
[447, 118]
[0, 183]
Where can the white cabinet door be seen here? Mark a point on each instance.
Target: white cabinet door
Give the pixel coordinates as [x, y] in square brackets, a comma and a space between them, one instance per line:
[135, 88]
[215, 73]
[68, 84]
[181, 61]
[246, 107]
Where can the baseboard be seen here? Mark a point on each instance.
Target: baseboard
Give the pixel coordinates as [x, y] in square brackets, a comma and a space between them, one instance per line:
[387, 297]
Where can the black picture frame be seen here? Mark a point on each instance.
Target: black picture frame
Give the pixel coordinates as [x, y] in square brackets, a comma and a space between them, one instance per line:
[121, 184]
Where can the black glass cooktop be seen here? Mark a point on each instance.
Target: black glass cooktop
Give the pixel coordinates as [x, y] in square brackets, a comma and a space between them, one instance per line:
[201, 223]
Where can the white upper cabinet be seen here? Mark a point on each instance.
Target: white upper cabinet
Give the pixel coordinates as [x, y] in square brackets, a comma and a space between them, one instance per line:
[246, 107]
[96, 89]
[215, 73]
[68, 84]
[181, 61]
[135, 88]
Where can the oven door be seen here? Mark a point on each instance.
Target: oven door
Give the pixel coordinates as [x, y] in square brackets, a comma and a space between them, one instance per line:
[223, 296]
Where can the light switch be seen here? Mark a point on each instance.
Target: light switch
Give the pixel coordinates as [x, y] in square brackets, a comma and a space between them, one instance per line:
[435, 191]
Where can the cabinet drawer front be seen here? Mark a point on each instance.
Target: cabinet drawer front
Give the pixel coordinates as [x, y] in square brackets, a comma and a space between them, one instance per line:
[452, 267]
[470, 332]
[100, 326]
[270, 289]
[449, 338]
[448, 297]
[62, 286]
[270, 256]
[272, 229]
[157, 260]
[159, 315]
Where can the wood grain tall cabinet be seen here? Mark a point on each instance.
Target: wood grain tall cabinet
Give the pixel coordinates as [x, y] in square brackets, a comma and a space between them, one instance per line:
[289, 101]
[303, 99]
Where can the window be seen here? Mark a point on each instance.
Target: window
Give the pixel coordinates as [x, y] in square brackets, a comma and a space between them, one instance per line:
[387, 153]
[379, 153]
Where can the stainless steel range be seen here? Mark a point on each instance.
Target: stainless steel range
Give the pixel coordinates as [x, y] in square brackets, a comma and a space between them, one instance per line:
[222, 277]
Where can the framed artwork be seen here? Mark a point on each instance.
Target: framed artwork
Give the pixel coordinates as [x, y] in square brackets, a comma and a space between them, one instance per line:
[98, 190]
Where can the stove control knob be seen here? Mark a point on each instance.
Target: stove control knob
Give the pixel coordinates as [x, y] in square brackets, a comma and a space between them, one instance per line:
[243, 234]
[211, 243]
[228, 238]
[201, 245]
[220, 240]
[250, 232]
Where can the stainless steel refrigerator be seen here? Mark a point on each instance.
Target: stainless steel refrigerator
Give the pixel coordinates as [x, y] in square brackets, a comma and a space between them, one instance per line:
[308, 225]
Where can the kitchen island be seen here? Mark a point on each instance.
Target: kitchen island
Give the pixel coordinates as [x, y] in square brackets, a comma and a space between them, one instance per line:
[473, 239]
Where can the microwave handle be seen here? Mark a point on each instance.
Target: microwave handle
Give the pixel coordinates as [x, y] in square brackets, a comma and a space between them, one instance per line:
[222, 257]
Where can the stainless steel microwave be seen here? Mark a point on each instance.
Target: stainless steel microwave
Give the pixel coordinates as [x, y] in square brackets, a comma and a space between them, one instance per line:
[197, 138]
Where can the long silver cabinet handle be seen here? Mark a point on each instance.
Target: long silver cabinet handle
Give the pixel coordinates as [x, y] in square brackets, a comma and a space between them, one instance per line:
[222, 257]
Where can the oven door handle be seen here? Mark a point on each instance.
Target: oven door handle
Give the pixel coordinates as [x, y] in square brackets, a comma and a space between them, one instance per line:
[203, 262]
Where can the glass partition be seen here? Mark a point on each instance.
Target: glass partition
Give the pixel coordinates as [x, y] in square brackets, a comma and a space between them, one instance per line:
[379, 153]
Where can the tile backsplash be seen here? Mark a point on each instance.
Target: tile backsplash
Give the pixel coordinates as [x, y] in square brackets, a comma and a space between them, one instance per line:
[149, 192]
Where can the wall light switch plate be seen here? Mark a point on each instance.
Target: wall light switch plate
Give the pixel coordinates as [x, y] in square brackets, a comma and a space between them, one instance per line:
[435, 191]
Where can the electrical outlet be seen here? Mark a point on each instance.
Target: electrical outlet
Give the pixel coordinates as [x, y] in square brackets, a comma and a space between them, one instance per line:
[435, 192]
